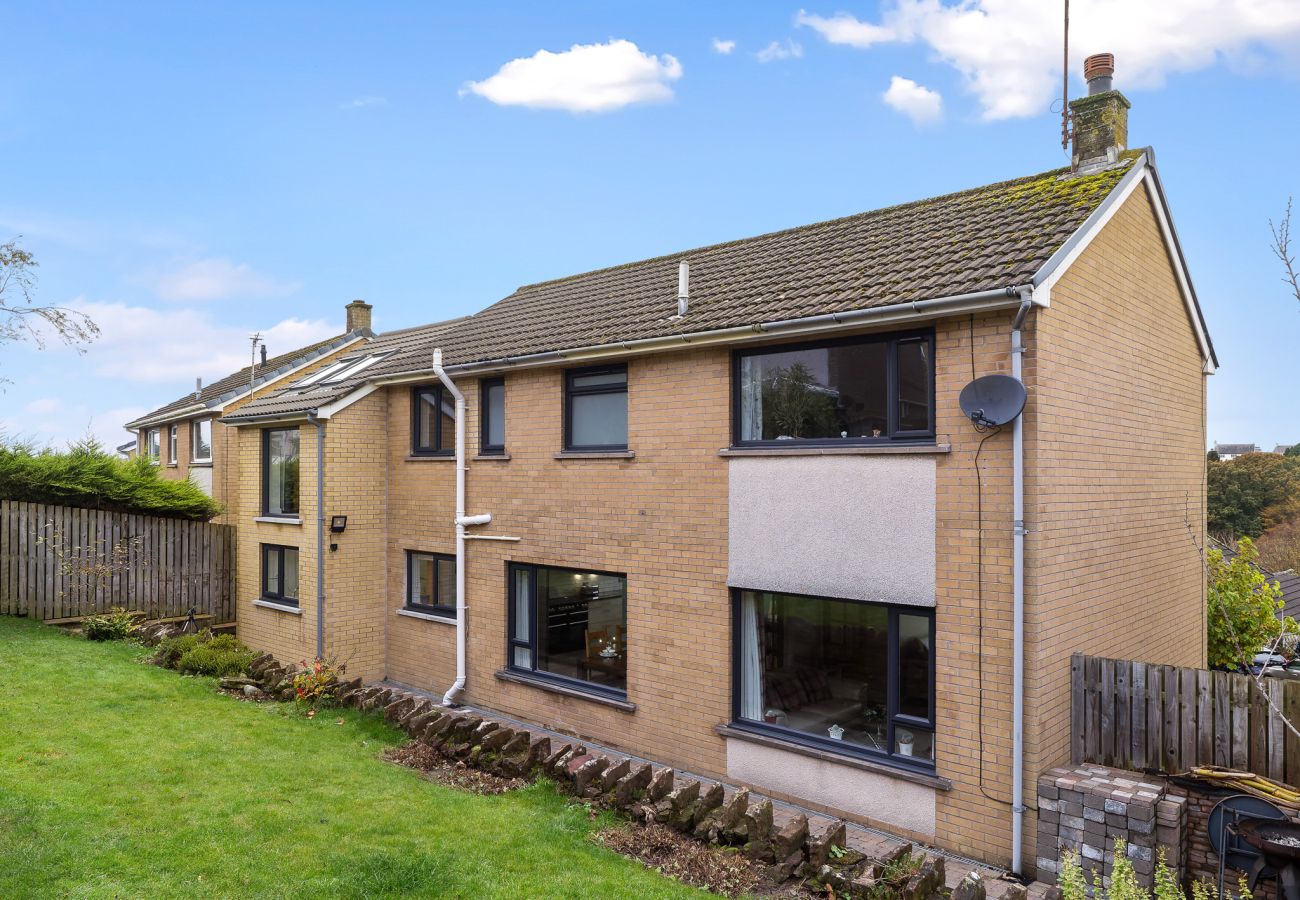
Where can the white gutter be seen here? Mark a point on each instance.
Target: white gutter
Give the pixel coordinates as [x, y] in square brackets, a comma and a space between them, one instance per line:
[462, 520]
[1018, 595]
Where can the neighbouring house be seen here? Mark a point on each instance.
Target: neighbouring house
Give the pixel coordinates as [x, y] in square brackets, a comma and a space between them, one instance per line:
[1232, 451]
[186, 437]
[722, 509]
[1281, 449]
[129, 449]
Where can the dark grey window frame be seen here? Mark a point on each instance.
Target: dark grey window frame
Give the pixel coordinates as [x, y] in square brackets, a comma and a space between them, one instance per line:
[893, 717]
[570, 392]
[268, 595]
[485, 447]
[266, 474]
[893, 433]
[436, 608]
[574, 684]
[443, 445]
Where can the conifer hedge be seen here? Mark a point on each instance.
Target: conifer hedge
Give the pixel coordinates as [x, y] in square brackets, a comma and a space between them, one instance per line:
[86, 476]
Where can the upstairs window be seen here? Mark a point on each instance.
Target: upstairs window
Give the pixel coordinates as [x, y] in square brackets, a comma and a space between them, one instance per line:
[280, 472]
[173, 445]
[433, 421]
[859, 390]
[201, 441]
[492, 416]
[595, 408]
[152, 444]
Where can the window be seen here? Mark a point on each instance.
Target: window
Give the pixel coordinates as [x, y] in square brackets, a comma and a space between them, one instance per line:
[173, 445]
[569, 626]
[341, 370]
[280, 574]
[492, 416]
[280, 471]
[851, 391]
[840, 674]
[152, 440]
[431, 583]
[433, 421]
[595, 408]
[201, 441]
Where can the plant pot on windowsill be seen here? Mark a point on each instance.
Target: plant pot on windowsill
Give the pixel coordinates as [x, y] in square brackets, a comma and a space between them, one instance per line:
[906, 740]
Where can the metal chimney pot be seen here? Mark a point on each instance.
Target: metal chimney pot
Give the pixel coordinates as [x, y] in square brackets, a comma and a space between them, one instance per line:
[1099, 71]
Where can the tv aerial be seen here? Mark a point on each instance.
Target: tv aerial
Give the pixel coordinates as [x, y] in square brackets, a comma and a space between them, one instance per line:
[992, 401]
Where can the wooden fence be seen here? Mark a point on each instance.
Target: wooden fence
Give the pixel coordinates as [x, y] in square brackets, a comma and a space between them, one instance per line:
[1141, 716]
[59, 563]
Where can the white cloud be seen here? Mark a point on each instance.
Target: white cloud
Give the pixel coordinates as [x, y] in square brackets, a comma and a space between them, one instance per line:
[73, 424]
[1009, 51]
[920, 104]
[364, 101]
[174, 346]
[723, 47]
[777, 51]
[218, 279]
[586, 78]
[43, 405]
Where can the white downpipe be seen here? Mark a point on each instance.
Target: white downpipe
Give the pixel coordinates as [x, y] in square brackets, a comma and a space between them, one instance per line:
[462, 520]
[1018, 598]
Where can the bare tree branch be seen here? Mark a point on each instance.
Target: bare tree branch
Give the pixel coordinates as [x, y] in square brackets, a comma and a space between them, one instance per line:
[21, 319]
[1282, 249]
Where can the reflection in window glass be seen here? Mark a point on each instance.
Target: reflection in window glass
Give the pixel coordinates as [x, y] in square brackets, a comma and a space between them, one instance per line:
[913, 386]
[201, 441]
[596, 408]
[493, 437]
[280, 471]
[914, 665]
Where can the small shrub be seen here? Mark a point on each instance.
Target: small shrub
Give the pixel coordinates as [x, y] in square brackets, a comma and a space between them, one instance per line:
[315, 683]
[216, 658]
[115, 625]
[171, 649]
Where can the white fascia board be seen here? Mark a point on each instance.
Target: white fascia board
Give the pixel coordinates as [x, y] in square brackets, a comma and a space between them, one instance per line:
[330, 409]
[1060, 261]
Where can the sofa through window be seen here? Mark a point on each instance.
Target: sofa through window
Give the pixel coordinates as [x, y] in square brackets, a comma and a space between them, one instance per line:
[847, 391]
[569, 625]
[845, 675]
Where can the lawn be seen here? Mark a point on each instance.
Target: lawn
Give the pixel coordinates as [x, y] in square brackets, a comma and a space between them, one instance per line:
[119, 779]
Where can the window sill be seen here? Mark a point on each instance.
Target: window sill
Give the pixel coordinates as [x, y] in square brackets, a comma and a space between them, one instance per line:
[278, 607]
[414, 457]
[492, 457]
[428, 617]
[731, 732]
[200, 464]
[596, 454]
[880, 450]
[172, 465]
[563, 690]
[278, 520]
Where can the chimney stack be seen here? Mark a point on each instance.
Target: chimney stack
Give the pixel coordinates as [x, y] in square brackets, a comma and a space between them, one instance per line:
[358, 315]
[1100, 132]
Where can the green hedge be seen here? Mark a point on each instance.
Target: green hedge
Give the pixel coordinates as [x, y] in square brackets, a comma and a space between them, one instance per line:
[90, 478]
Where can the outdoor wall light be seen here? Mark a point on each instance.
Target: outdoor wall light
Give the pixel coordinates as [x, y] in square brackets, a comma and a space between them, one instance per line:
[338, 524]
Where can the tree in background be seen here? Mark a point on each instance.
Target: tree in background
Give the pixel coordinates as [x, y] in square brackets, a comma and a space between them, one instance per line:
[1279, 547]
[1250, 494]
[1282, 250]
[21, 319]
[1245, 608]
[1293, 450]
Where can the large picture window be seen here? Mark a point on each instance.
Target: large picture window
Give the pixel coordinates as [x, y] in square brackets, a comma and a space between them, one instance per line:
[595, 408]
[280, 574]
[431, 583]
[841, 674]
[201, 440]
[492, 416]
[849, 391]
[569, 625]
[433, 421]
[280, 471]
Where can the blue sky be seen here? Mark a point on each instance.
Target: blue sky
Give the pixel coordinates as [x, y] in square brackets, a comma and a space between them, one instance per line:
[189, 173]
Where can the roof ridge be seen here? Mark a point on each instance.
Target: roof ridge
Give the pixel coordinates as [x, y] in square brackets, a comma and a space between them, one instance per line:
[795, 229]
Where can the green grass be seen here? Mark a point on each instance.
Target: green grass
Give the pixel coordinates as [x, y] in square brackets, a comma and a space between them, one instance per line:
[119, 779]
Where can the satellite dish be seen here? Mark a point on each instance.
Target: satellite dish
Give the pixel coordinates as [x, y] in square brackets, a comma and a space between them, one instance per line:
[992, 400]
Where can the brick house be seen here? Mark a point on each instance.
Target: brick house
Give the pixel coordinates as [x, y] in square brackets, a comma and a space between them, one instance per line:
[186, 437]
[739, 523]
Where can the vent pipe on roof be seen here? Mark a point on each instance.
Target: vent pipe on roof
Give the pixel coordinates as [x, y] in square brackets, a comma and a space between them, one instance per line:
[264, 354]
[683, 287]
[198, 387]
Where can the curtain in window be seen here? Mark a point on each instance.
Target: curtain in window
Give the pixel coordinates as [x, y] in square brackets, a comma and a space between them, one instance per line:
[751, 660]
[751, 398]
